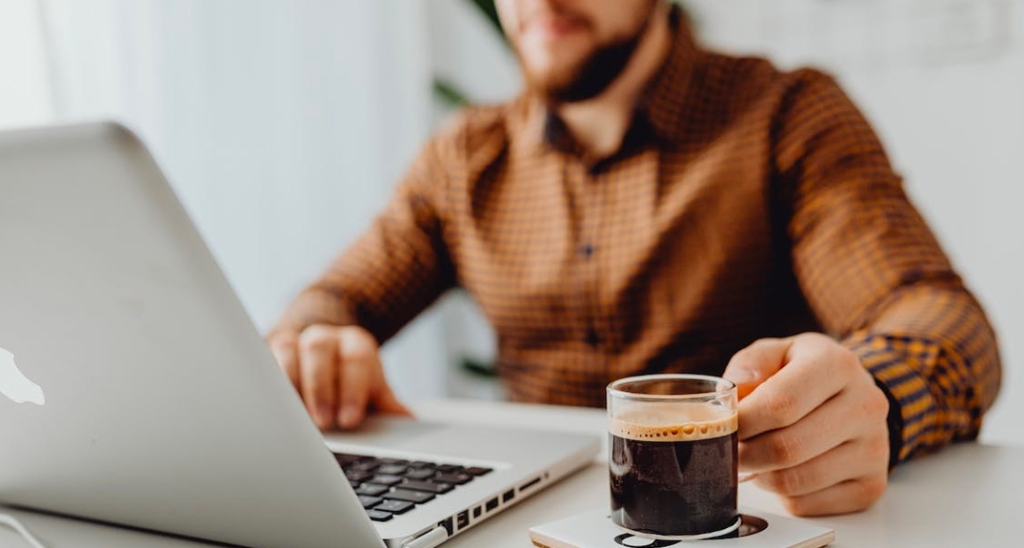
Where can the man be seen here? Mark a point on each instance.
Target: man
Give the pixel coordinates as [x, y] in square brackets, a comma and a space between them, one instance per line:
[647, 206]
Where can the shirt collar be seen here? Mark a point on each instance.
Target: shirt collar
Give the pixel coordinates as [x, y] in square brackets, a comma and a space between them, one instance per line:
[666, 96]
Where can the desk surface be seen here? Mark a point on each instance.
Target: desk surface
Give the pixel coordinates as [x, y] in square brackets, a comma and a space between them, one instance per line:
[965, 496]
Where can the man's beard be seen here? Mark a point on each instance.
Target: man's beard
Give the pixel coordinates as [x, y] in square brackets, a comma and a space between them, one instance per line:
[594, 74]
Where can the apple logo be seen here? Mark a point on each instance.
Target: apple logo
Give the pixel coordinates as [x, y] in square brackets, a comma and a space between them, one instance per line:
[16, 386]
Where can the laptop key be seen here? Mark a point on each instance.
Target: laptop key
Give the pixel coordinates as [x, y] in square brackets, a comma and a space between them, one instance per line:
[477, 471]
[395, 506]
[393, 469]
[457, 479]
[420, 464]
[415, 497]
[379, 516]
[428, 487]
[449, 468]
[354, 484]
[366, 465]
[344, 459]
[369, 502]
[384, 479]
[358, 475]
[420, 473]
[372, 489]
[394, 461]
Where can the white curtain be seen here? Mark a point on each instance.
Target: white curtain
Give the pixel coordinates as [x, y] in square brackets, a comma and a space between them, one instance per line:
[282, 124]
[25, 97]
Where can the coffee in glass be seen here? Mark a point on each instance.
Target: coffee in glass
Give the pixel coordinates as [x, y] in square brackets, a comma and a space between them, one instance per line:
[673, 462]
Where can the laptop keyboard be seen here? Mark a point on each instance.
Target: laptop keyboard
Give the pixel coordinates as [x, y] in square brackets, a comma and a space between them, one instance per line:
[389, 487]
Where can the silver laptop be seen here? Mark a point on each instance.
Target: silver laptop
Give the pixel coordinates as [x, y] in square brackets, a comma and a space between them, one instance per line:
[135, 390]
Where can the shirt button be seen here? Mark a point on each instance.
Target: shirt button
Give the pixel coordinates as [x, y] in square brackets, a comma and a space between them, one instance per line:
[593, 339]
[587, 250]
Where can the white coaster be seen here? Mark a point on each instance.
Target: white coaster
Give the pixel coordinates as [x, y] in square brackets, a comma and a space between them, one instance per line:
[596, 530]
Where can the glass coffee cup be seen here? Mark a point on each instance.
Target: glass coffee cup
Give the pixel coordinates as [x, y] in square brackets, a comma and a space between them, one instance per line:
[673, 456]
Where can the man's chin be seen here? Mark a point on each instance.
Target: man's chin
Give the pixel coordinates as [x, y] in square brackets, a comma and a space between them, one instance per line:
[555, 84]
[572, 82]
[565, 90]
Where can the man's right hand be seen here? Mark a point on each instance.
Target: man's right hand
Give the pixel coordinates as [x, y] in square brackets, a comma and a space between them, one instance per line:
[338, 373]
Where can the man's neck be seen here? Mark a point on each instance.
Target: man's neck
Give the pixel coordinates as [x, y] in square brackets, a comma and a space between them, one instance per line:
[599, 125]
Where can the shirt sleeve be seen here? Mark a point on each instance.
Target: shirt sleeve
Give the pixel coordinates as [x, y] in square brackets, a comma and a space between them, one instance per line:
[394, 270]
[875, 276]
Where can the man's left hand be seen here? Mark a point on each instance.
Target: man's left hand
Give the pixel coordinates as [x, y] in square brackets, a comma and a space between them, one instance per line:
[812, 424]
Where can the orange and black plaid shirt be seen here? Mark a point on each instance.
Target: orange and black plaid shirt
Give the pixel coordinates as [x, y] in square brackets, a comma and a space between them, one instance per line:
[744, 203]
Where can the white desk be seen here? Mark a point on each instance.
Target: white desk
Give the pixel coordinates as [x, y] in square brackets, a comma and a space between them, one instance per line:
[966, 496]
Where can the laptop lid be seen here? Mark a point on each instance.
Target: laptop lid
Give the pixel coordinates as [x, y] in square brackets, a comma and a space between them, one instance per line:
[145, 397]
[120, 402]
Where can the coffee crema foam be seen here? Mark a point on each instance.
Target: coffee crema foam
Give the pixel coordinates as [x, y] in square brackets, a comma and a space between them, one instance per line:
[687, 422]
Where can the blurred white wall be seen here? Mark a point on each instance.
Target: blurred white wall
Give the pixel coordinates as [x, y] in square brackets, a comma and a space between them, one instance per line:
[25, 92]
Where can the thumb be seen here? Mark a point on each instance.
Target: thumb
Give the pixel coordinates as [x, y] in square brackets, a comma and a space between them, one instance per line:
[753, 365]
[386, 402]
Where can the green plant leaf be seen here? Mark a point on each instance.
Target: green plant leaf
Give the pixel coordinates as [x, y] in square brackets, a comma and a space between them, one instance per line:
[478, 368]
[449, 93]
[491, 12]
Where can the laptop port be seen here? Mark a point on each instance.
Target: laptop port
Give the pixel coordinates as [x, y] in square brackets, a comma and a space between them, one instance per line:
[529, 484]
[492, 504]
[509, 495]
[463, 520]
[477, 511]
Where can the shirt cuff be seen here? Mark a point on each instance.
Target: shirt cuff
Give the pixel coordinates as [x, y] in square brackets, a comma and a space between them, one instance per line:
[912, 409]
